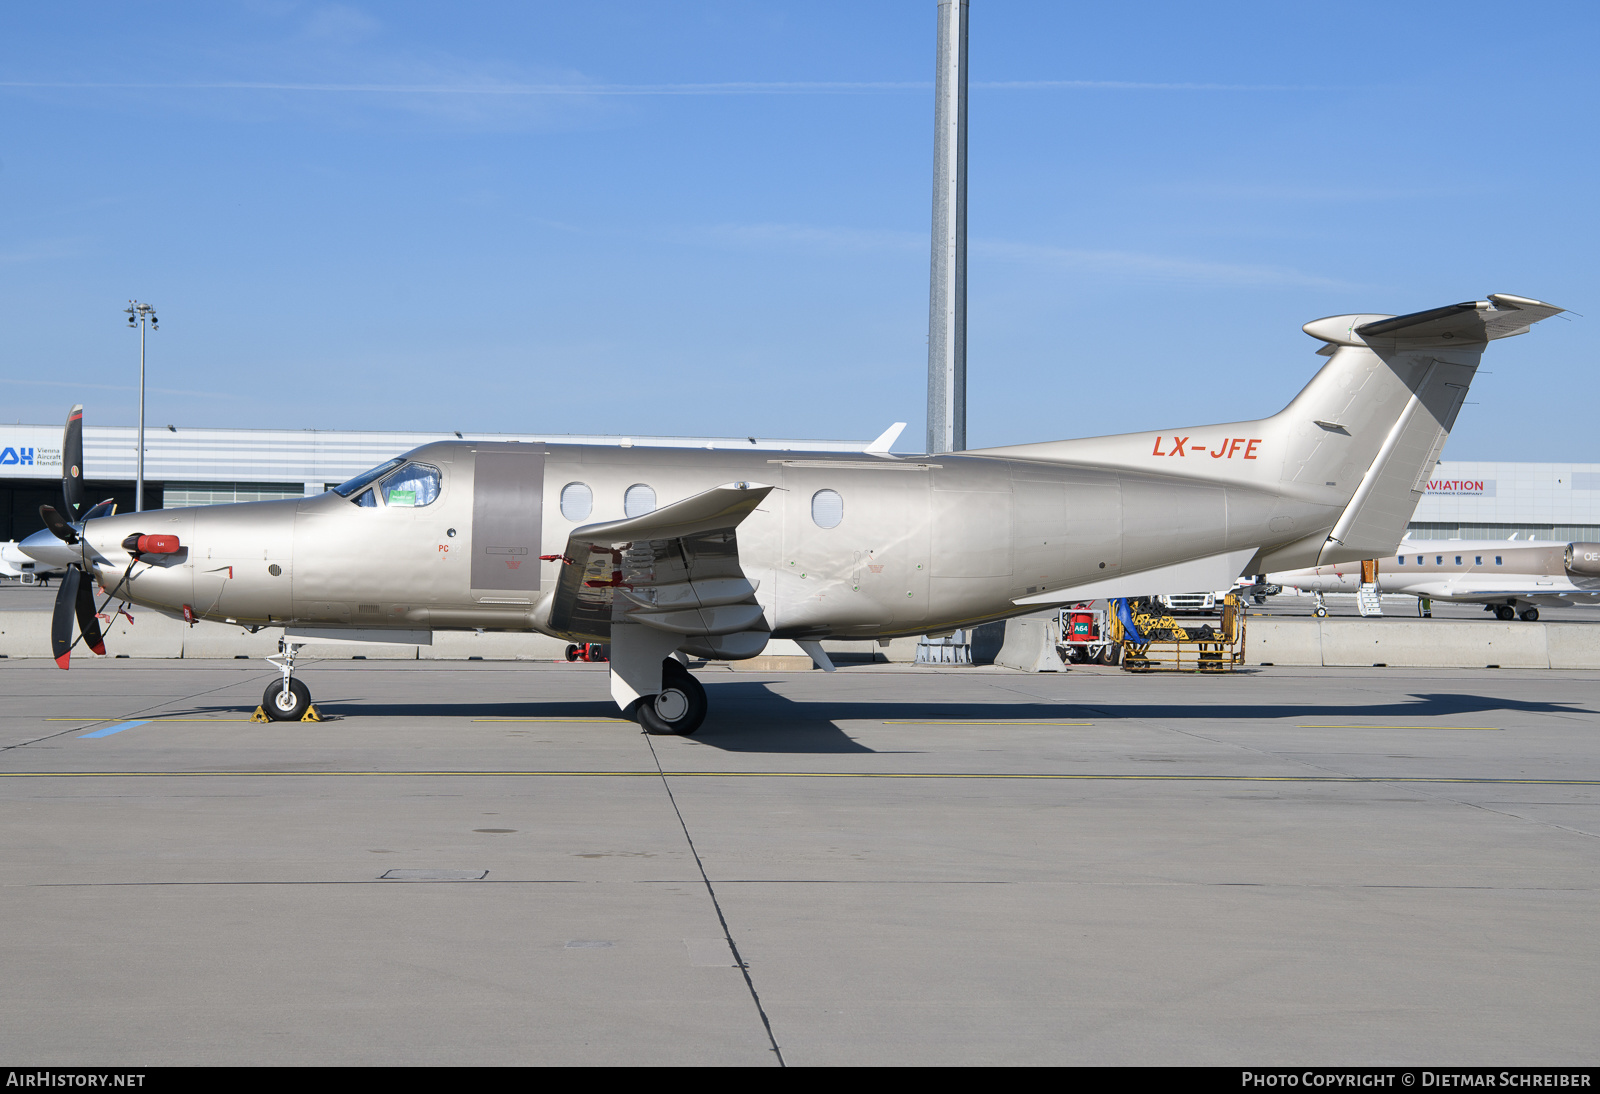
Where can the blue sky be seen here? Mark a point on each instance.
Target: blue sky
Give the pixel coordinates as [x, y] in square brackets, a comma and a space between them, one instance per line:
[713, 218]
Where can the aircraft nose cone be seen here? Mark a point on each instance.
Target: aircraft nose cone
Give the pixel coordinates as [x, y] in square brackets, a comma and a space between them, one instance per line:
[44, 547]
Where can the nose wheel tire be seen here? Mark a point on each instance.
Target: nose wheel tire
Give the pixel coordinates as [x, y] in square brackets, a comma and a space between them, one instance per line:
[1320, 612]
[679, 708]
[286, 704]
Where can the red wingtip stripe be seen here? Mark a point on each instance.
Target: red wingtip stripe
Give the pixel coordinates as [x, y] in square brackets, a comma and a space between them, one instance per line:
[100, 648]
[64, 660]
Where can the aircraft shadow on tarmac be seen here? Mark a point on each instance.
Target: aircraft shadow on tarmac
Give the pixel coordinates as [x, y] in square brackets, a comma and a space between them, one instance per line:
[752, 717]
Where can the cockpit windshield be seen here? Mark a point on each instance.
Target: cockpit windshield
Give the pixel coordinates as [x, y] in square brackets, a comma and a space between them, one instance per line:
[411, 487]
[345, 489]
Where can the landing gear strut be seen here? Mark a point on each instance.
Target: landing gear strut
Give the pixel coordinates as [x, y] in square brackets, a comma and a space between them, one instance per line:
[650, 684]
[286, 699]
[1321, 610]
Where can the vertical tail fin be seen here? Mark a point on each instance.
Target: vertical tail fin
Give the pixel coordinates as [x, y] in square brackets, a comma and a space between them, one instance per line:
[1385, 404]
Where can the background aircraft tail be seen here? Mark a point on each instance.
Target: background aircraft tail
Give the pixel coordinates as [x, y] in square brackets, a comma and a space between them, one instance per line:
[1356, 445]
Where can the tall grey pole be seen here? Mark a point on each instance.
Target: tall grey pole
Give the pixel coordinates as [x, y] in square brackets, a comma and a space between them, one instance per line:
[139, 315]
[947, 297]
[138, 484]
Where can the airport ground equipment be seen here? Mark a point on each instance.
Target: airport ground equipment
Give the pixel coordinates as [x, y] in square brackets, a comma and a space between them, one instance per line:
[1085, 636]
[712, 553]
[594, 652]
[1149, 640]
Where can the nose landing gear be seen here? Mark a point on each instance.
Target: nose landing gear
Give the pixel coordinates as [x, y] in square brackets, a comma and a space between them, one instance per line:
[286, 699]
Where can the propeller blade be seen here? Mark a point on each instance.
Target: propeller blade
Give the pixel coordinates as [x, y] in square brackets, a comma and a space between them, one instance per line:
[104, 509]
[61, 621]
[72, 463]
[88, 625]
[52, 520]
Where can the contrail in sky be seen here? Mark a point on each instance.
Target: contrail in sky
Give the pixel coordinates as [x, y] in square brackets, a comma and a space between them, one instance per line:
[744, 88]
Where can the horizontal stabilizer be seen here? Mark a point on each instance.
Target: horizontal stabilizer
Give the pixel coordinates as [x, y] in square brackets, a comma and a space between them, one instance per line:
[1197, 575]
[1475, 321]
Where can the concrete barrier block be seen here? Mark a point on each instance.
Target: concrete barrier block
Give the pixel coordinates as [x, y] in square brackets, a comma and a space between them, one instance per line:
[1434, 644]
[1283, 642]
[369, 651]
[1030, 645]
[781, 655]
[25, 634]
[1572, 645]
[212, 640]
[493, 646]
[149, 635]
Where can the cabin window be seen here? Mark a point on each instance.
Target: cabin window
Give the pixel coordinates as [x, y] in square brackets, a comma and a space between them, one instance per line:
[412, 487]
[1497, 560]
[1438, 560]
[1419, 560]
[638, 500]
[1402, 560]
[1477, 560]
[1458, 560]
[827, 508]
[577, 501]
[345, 489]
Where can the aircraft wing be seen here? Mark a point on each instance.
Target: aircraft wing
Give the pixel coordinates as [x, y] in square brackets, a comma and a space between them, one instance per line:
[675, 569]
[1545, 598]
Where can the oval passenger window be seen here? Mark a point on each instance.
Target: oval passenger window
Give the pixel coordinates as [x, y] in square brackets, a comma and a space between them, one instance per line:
[577, 501]
[827, 508]
[639, 500]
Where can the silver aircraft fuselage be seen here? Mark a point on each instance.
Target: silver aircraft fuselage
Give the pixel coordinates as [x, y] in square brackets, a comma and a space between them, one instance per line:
[922, 544]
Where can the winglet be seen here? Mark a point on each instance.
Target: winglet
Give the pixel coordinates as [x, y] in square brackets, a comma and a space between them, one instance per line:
[880, 447]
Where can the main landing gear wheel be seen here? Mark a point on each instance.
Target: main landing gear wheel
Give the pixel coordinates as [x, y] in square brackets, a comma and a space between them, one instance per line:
[1531, 615]
[680, 707]
[286, 704]
[1505, 613]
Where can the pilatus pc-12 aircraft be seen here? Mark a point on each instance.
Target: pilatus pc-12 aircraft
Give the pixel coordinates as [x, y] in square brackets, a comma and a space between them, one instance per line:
[711, 554]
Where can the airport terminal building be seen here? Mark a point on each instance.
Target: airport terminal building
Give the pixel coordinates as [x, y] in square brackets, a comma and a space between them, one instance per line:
[1464, 500]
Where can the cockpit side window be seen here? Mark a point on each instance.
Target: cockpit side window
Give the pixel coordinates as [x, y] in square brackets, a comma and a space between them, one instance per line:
[345, 489]
[411, 487]
[367, 499]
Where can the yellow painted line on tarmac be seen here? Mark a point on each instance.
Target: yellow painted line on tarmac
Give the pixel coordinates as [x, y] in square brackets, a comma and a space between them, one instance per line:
[958, 722]
[1058, 777]
[1469, 729]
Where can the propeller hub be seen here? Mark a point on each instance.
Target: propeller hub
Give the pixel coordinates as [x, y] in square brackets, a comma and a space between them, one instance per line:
[43, 546]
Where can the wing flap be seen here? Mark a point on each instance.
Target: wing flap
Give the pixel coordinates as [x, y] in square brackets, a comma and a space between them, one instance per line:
[677, 569]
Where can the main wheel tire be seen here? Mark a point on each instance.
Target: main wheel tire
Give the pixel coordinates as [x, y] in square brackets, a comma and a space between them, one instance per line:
[1505, 613]
[679, 708]
[286, 705]
[1531, 615]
